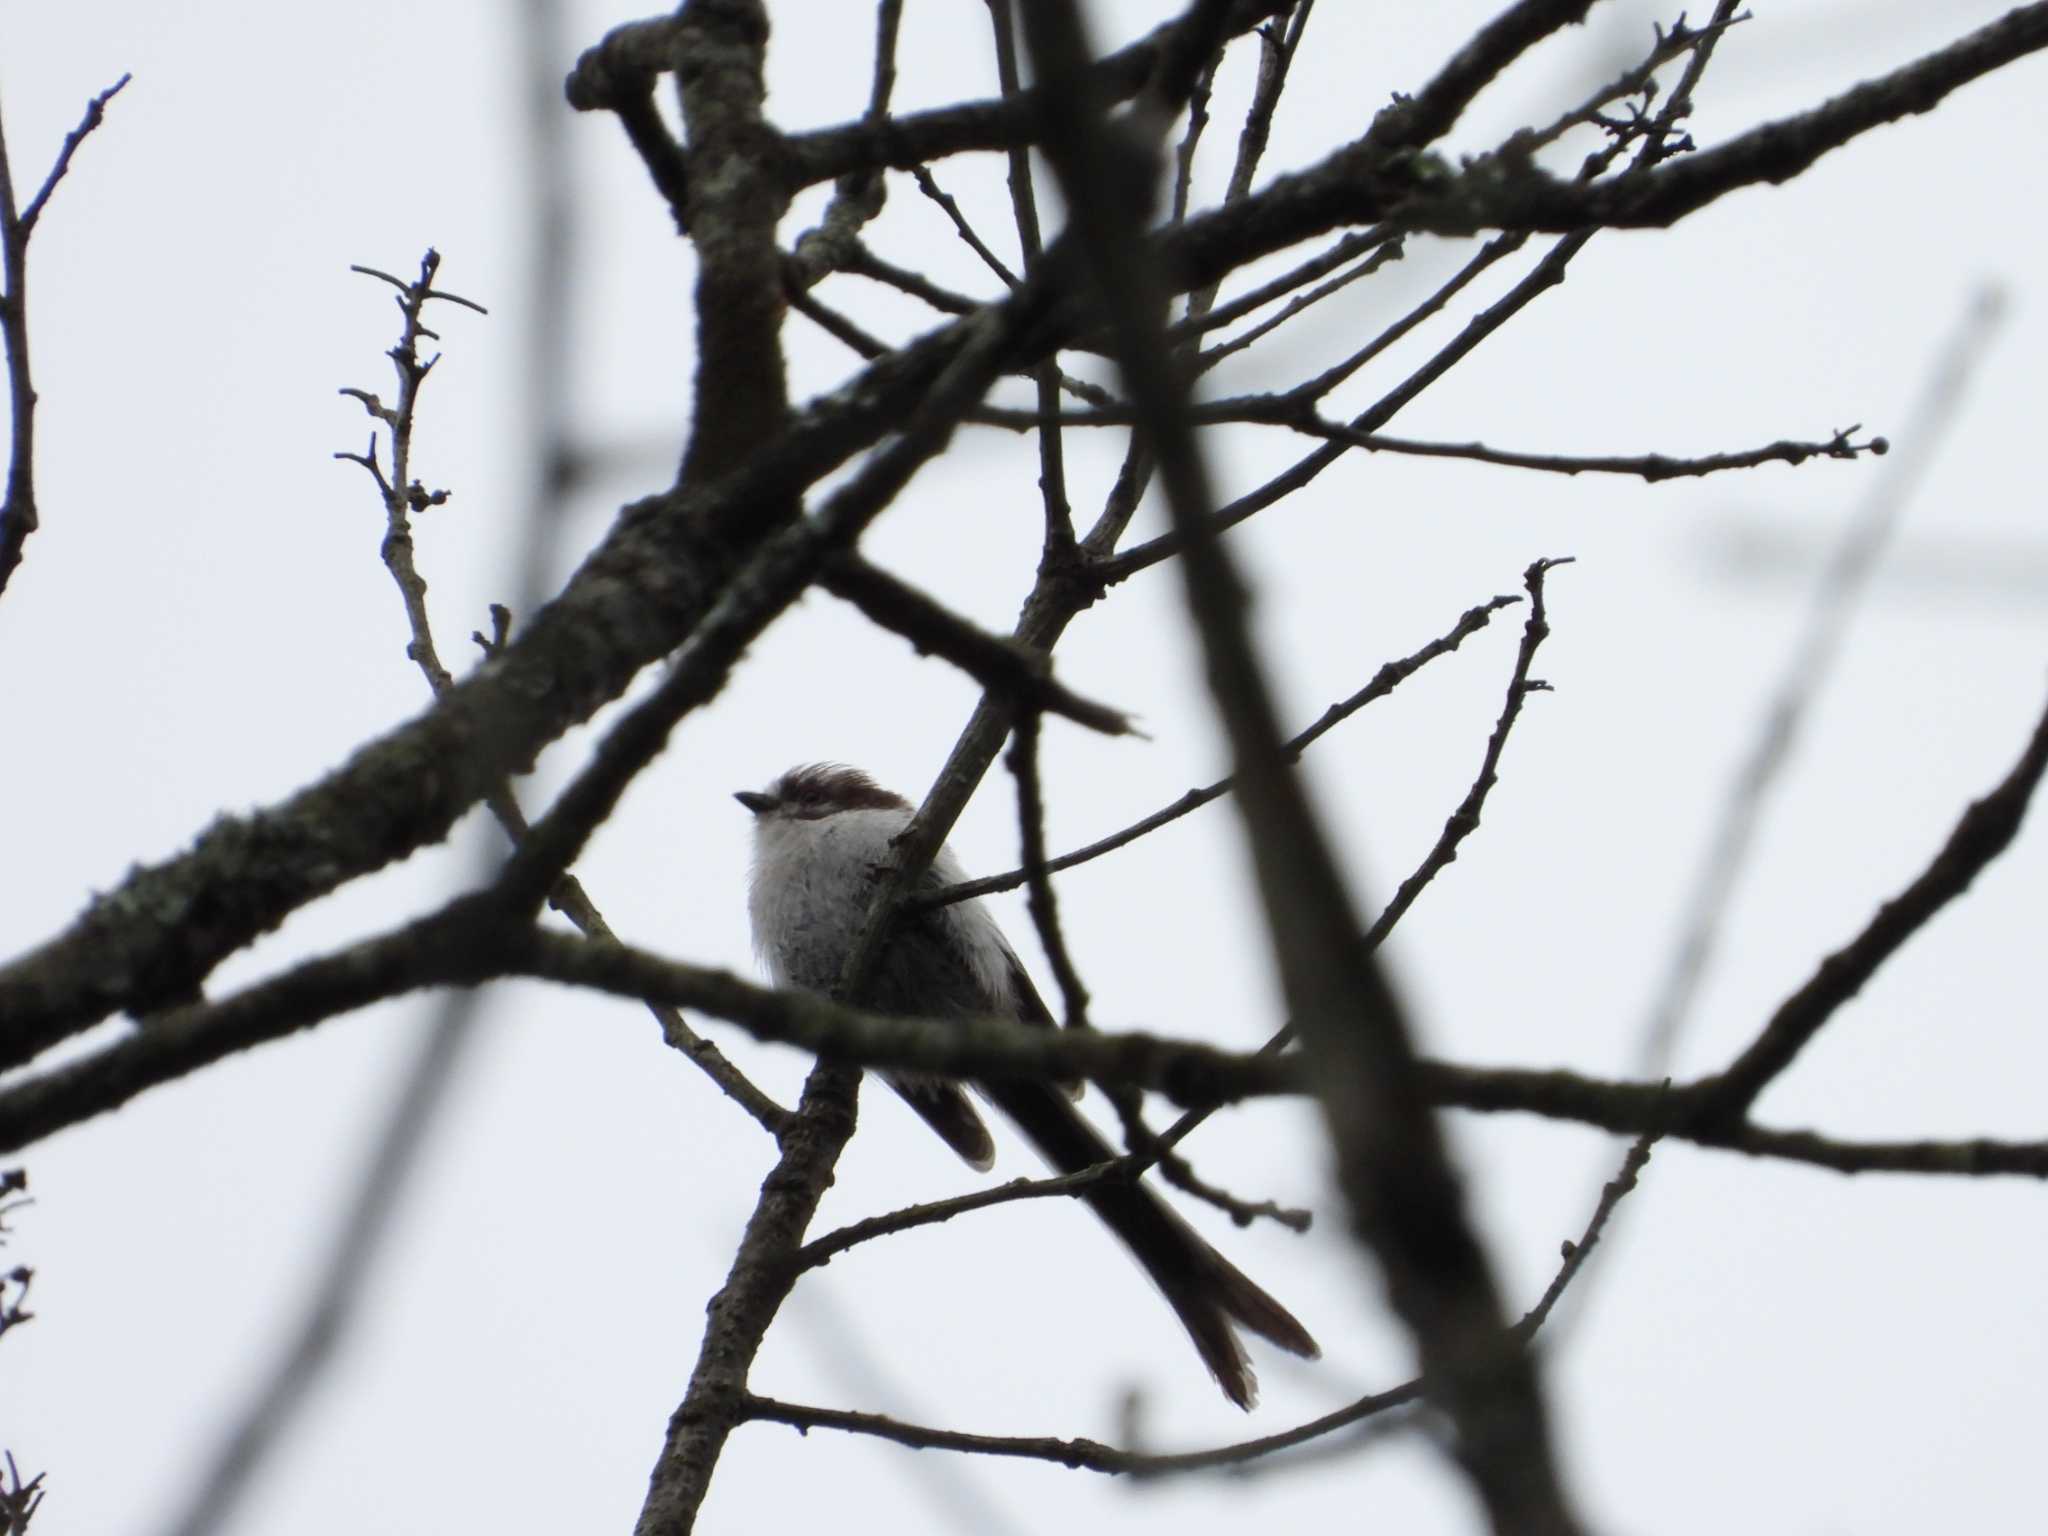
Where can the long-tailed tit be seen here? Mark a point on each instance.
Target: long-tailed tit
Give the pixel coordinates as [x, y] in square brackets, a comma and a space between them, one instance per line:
[820, 833]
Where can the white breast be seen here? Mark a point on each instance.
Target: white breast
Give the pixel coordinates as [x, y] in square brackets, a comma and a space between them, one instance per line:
[813, 882]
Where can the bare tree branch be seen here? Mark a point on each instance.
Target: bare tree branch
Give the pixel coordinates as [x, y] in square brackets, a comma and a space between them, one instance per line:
[1985, 831]
[1043, 906]
[1384, 682]
[1092, 1455]
[19, 515]
[1509, 192]
[1650, 467]
[1806, 670]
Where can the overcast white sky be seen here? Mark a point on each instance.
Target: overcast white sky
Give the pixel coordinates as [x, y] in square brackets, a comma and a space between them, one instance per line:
[203, 625]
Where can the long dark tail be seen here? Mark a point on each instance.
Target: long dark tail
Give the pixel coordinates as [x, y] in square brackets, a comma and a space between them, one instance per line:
[1206, 1291]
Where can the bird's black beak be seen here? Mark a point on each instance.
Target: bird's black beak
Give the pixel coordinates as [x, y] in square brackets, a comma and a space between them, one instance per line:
[754, 800]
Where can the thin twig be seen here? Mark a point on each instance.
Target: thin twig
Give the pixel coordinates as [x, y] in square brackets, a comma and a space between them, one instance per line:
[19, 1499]
[820, 1251]
[1058, 541]
[568, 897]
[1985, 830]
[888, 22]
[1806, 672]
[1612, 1193]
[1639, 80]
[19, 514]
[14, 1282]
[1358, 243]
[402, 495]
[1141, 557]
[1023, 760]
[863, 262]
[1385, 681]
[838, 326]
[857, 196]
[1380, 256]
[1294, 410]
[929, 186]
[1276, 57]
[1190, 141]
[449, 948]
[1464, 821]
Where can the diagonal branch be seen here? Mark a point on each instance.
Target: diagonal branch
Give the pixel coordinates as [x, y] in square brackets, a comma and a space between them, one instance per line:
[19, 516]
[1510, 192]
[1985, 830]
[1806, 670]
[1043, 906]
[998, 663]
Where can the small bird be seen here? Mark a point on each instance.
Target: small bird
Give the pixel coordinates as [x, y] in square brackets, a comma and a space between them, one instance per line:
[821, 831]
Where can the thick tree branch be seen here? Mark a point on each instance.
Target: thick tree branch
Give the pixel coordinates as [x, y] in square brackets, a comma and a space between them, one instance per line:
[733, 203]
[1381, 176]
[1804, 676]
[467, 942]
